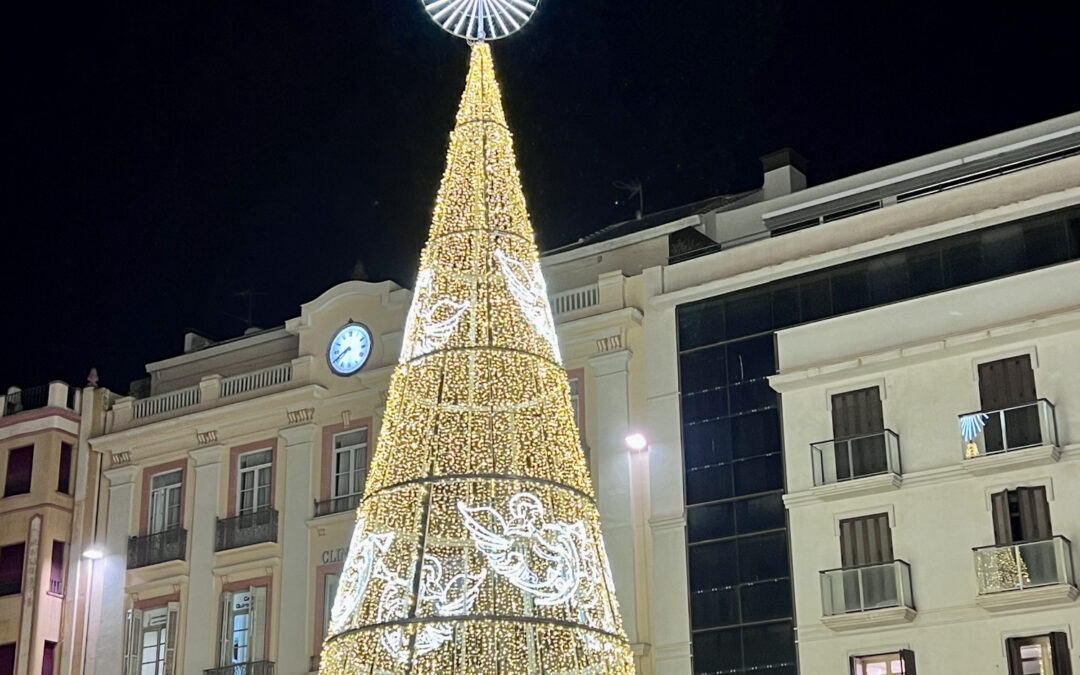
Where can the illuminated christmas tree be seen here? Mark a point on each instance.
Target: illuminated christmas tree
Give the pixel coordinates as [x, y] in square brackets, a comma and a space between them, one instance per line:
[477, 546]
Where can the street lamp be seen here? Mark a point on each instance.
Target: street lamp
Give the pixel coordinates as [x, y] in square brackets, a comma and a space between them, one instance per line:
[93, 553]
[636, 442]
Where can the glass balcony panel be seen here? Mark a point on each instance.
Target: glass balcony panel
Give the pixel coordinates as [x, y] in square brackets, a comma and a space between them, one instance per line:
[862, 589]
[987, 432]
[1013, 567]
[844, 459]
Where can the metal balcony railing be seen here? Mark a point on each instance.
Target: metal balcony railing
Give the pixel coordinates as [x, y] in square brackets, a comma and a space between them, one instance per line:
[1014, 567]
[326, 507]
[843, 459]
[865, 588]
[986, 432]
[151, 549]
[247, 529]
[56, 586]
[249, 668]
[18, 400]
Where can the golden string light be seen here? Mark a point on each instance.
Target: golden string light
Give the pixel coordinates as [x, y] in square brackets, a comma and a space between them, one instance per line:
[478, 547]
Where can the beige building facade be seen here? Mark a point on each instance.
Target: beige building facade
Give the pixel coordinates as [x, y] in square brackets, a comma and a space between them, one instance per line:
[800, 361]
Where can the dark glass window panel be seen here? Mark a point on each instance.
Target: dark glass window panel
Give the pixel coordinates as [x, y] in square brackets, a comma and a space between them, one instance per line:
[751, 359]
[1002, 251]
[702, 326]
[759, 474]
[717, 651]
[755, 433]
[713, 521]
[763, 556]
[714, 609]
[815, 298]
[713, 565]
[705, 405]
[765, 600]
[768, 645]
[747, 397]
[850, 290]
[707, 485]
[962, 262]
[63, 477]
[702, 369]
[20, 469]
[924, 274]
[757, 514]
[748, 313]
[707, 443]
[1045, 245]
[785, 306]
[889, 279]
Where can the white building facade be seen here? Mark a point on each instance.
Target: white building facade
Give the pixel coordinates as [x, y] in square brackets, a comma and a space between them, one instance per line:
[736, 335]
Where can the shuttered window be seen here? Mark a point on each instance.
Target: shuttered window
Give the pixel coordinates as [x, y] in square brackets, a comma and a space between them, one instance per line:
[894, 663]
[865, 541]
[20, 467]
[1020, 515]
[859, 445]
[1043, 654]
[151, 640]
[1007, 393]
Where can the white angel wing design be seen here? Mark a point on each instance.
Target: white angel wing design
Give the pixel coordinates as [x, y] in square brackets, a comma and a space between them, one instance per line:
[365, 552]
[430, 325]
[529, 290]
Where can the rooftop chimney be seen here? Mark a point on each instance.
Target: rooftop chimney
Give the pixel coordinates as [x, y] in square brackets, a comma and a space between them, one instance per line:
[785, 172]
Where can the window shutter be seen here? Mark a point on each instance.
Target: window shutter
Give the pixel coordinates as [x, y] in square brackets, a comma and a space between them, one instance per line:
[225, 637]
[172, 627]
[134, 642]
[865, 541]
[999, 501]
[258, 623]
[1012, 652]
[858, 412]
[907, 657]
[1059, 654]
[1034, 513]
[1007, 382]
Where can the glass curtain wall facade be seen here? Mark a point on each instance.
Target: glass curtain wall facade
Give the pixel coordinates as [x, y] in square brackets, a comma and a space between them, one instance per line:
[739, 567]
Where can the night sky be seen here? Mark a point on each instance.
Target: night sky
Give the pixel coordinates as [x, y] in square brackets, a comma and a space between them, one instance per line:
[161, 156]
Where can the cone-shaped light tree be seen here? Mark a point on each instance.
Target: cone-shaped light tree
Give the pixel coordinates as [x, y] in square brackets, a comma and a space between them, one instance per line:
[477, 546]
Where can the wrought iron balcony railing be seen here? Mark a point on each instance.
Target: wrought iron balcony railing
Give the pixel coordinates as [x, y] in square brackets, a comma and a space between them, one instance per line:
[865, 588]
[249, 668]
[985, 432]
[1014, 567]
[56, 586]
[843, 459]
[337, 505]
[247, 529]
[151, 549]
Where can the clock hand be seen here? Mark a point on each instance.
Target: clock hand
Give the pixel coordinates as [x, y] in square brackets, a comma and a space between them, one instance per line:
[342, 354]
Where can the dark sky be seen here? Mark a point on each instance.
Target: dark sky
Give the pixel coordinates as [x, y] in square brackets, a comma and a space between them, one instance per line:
[162, 155]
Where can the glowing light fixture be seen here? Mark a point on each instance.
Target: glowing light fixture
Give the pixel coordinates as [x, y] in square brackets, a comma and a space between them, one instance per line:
[637, 442]
[481, 19]
[93, 553]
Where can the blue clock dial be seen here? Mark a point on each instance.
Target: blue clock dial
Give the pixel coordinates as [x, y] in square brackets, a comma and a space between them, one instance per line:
[350, 349]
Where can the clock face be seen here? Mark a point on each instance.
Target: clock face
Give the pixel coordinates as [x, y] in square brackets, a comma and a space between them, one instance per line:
[350, 349]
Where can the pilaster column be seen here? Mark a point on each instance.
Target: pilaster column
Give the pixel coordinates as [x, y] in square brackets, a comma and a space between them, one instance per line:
[109, 641]
[610, 404]
[200, 641]
[294, 648]
[667, 516]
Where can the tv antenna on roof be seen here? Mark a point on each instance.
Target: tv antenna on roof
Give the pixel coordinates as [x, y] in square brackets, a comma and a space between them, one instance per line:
[635, 189]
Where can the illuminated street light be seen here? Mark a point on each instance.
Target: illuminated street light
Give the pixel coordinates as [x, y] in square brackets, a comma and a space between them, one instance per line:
[636, 442]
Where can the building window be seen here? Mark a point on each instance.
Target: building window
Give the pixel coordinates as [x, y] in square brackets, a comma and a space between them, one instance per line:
[7, 659]
[165, 491]
[330, 585]
[350, 462]
[56, 568]
[253, 483]
[1021, 515]
[894, 663]
[48, 658]
[1039, 655]
[63, 478]
[11, 568]
[243, 618]
[865, 541]
[152, 640]
[1007, 395]
[857, 431]
[20, 468]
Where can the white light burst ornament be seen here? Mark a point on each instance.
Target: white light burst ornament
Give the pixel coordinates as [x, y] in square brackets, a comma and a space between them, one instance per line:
[481, 19]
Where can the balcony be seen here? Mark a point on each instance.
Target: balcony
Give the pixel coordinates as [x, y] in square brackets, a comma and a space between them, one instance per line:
[1010, 437]
[159, 547]
[333, 505]
[54, 394]
[1026, 574]
[858, 465]
[247, 529]
[250, 668]
[869, 595]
